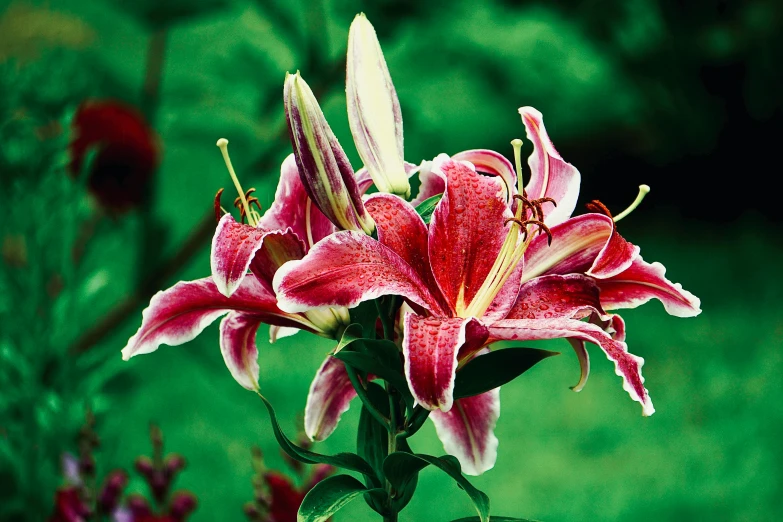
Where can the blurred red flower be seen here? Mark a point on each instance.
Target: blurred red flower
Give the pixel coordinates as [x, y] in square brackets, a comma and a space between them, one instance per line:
[127, 152]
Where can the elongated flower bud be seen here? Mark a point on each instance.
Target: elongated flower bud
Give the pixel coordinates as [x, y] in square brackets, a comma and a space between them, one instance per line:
[374, 110]
[323, 166]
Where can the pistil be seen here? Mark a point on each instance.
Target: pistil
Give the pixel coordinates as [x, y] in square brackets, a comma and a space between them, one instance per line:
[643, 191]
[252, 215]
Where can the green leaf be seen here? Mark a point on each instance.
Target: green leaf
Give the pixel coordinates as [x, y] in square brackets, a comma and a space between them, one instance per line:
[415, 421]
[404, 495]
[427, 207]
[489, 371]
[380, 358]
[350, 461]
[328, 497]
[365, 314]
[400, 466]
[372, 440]
[353, 332]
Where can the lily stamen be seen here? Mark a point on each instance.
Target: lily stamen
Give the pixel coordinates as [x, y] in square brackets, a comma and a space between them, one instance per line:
[598, 208]
[251, 200]
[535, 205]
[252, 215]
[219, 210]
[541, 226]
[513, 250]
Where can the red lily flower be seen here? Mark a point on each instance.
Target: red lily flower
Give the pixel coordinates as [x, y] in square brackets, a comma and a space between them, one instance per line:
[464, 279]
[127, 152]
[286, 231]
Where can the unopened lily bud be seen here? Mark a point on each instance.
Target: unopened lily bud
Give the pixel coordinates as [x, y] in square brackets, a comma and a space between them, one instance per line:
[374, 110]
[323, 166]
[182, 504]
[138, 506]
[173, 464]
[145, 466]
[112, 490]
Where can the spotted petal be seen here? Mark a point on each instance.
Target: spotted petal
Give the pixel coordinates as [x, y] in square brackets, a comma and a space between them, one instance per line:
[346, 269]
[238, 346]
[467, 231]
[557, 296]
[627, 366]
[177, 315]
[643, 281]
[494, 163]
[330, 396]
[233, 247]
[550, 175]
[467, 431]
[293, 209]
[587, 244]
[431, 346]
[401, 229]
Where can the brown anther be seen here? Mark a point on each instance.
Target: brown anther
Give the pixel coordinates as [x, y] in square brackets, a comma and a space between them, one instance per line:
[599, 208]
[540, 224]
[218, 208]
[239, 206]
[535, 205]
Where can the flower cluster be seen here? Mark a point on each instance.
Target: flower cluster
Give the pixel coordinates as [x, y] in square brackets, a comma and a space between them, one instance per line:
[79, 500]
[477, 256]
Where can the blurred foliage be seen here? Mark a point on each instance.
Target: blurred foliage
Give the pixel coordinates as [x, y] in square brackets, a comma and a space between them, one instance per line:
[677, 95]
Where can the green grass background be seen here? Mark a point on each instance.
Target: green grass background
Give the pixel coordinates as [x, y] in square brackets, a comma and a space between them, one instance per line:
[711, 452]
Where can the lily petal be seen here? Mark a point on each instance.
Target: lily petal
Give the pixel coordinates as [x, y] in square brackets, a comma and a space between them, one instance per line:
[233, 247]
[346, 269]
[238, 346]
[177, 315]
[467, 431]
[431, 182]
[374, 111]
[556, 296]
[279, 332]
[494, 163]
[584, 362]
[430, 347]
[401, 229]
[279, 247]
[587, 244]
[330, 396]
[550, 175]
[627, 366]
[643, 281]
[467, 231]
[292, 208]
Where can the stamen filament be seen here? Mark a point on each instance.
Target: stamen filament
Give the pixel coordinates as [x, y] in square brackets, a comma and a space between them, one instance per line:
[517, 144]
[252, 216]
[643, 191]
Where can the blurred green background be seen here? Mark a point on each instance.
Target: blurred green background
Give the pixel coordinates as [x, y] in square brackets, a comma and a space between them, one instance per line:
[685, 98]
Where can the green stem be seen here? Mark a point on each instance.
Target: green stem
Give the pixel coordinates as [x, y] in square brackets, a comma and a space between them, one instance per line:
[362, 393]
[386, 321]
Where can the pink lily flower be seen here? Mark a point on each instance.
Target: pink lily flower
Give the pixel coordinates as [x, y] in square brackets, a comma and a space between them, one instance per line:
[481, 272]
[285, 232]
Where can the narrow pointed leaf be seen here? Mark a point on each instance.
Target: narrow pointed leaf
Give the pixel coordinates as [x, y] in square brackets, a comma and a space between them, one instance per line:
[328, 497]
[400, 466]
[349, 461]
[427, 207]
[495, 369]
